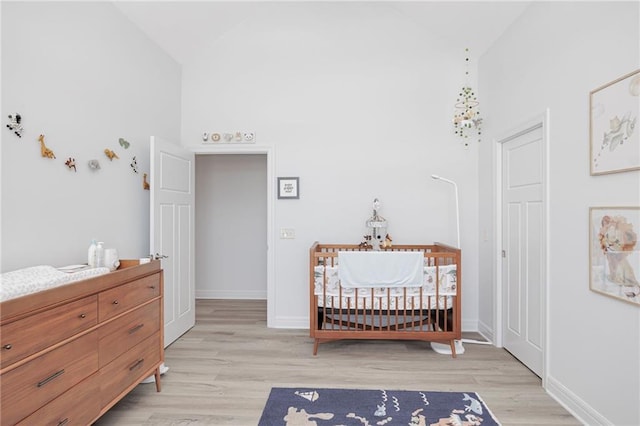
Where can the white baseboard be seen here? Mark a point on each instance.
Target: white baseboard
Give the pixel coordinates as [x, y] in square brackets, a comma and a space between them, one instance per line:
[239, 295]
[574, 404]
[301, 323]
[486, 332]
[469, 325]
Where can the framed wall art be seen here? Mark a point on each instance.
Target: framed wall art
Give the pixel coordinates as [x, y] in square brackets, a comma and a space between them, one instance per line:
[614, 253]
[288, 188]
[613, 133]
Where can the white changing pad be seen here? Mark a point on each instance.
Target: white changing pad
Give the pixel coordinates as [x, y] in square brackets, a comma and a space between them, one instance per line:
[380, 268]
[37, 278]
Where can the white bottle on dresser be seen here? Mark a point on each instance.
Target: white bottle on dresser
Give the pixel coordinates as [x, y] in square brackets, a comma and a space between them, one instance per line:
[91, 259]
[99, 255]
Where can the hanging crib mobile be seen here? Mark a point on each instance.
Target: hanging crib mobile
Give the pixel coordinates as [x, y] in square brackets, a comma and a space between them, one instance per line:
[466, 119]
[377, 225]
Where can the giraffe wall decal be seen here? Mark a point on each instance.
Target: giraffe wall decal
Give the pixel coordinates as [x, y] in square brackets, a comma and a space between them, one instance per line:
[44, 151]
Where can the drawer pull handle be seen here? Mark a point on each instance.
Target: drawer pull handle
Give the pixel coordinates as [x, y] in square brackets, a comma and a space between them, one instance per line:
[115, 302]
[7, 346]
[83, 316]
[137, 364]
[50, 378]
[152, 287]
[63, 422]
[136, 328]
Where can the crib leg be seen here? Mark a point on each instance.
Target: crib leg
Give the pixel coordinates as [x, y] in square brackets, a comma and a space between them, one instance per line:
[453, 348]
[315, 347]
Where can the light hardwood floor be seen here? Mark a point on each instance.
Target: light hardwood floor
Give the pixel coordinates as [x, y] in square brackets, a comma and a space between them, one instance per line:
[222, 370]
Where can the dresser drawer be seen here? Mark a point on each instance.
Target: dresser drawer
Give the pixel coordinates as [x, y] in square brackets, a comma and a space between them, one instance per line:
[29, 335]
[27, 388]
[76, 407]
[130, 368]
[122, 334]
[119, 299]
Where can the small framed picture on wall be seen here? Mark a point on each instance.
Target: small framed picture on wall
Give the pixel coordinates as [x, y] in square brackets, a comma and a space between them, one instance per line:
[288, 188]
[613, 136]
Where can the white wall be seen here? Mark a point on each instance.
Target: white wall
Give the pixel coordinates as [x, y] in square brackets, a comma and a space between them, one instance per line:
[84, 76]
[358, 105]
[552, 57]
[231, 226]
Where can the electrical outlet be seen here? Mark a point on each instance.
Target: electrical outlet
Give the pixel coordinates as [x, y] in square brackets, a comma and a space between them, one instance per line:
[287, 233]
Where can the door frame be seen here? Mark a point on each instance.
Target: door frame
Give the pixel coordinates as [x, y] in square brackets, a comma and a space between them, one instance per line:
[269, 151]
[541, 120]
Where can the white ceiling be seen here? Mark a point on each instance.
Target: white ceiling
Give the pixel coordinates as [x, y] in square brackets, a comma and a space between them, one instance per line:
[184, 28]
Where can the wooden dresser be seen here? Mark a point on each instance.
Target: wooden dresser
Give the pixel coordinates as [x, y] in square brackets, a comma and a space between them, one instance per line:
[69, 353]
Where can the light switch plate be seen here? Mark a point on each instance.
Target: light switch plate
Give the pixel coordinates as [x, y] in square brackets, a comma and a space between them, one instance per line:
[287, 233]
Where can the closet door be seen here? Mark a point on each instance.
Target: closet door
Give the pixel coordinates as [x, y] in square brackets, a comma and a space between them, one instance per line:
[172, 232]
[523, 247]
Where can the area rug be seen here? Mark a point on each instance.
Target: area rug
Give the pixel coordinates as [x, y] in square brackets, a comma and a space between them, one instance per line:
[362, 407]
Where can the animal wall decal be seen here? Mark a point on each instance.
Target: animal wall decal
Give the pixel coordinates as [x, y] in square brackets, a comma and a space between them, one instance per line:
[94, 165]
[44, 151]
[71, 164]
[134, 165]
[15, 124]
[110, 154]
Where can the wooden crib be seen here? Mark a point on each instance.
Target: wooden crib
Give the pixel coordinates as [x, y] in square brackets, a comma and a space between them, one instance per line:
[430, 312]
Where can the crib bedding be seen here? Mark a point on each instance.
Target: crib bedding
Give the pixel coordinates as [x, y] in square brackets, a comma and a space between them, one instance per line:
[42, 277]
[437, 290]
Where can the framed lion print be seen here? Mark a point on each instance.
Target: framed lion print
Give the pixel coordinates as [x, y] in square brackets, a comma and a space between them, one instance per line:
[614, 254]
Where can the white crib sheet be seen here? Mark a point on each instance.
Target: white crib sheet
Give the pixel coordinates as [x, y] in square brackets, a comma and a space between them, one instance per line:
[37, 278]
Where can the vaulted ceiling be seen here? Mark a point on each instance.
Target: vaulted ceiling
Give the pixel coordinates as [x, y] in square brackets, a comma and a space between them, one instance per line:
[184, 28]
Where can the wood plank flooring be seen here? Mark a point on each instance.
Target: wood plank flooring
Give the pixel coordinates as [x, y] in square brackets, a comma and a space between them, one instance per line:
[222, 370]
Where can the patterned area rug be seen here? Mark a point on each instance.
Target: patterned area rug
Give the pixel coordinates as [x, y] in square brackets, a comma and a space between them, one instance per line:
[360, 407]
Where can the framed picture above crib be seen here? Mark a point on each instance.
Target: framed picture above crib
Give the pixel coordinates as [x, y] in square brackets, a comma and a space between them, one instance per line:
[614, 253]
[613, 135]
[288, 188]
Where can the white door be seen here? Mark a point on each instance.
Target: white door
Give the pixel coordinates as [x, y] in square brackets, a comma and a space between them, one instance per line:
[172, 232]
[523, 247]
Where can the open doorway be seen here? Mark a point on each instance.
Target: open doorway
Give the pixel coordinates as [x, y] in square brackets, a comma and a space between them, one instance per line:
[231, 221]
